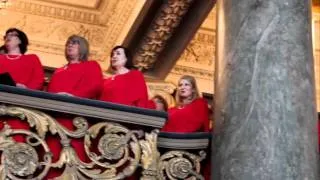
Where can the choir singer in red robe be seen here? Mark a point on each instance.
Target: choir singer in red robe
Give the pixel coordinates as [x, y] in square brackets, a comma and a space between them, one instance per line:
[191, 113]
[79, 78]
[126, 86]
[25, 70]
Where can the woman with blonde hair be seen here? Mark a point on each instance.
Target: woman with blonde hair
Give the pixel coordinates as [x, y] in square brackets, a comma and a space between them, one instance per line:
[191, 113]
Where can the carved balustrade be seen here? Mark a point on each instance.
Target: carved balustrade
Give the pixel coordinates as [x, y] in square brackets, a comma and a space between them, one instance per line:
[119, 141]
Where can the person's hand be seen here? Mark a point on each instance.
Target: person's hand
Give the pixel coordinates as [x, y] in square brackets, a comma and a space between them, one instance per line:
[65, 93]
[21, 85]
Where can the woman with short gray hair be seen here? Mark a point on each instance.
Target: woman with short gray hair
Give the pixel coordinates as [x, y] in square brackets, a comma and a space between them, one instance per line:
[79, 77]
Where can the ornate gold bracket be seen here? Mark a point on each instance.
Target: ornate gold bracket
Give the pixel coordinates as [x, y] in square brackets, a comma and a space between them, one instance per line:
[161, 30]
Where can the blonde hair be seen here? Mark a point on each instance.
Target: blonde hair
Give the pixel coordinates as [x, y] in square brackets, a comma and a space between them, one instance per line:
[195, 91]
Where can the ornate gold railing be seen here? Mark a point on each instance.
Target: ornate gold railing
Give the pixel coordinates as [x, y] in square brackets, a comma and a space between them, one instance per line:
[119, 141]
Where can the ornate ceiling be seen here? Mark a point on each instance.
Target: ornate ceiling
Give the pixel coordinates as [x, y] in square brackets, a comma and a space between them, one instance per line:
[49, 23]
[91, 4]
[173, 32]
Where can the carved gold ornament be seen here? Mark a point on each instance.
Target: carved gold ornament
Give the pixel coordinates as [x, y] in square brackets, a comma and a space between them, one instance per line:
[161, 30]
[113, 151]
[181, 165]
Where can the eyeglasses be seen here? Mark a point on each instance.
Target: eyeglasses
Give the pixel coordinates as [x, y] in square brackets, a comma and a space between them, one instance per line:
[10, 34]
[72, 42]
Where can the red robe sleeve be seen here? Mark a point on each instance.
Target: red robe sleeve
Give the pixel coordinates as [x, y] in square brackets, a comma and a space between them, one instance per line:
[90, 84]
[36, 80]
[140, 92]
[193, 117]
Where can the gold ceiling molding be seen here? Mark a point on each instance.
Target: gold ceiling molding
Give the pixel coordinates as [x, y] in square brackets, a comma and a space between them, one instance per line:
[121, 13]
[48, 25]
[163, 86]
[166, 21]
[200, 50]
[90, 4]
[48, 31]
[56, 49]
[62, 12]
[197, 73]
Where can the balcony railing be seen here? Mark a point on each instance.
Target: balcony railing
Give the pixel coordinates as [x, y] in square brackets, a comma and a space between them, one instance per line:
[119, 141]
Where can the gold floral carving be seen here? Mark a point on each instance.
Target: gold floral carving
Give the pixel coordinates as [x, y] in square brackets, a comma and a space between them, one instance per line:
[162, 28]
[181, 165]
[114, 151]
[117, 157]
[200, 50]
[31, 7]
[163, 89]
[171, 165]
[150, 157]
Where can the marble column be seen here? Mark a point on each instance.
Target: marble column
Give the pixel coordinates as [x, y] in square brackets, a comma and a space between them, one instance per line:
[265, 110]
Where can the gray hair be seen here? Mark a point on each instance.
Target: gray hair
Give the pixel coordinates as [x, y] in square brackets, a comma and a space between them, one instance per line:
[83, 44]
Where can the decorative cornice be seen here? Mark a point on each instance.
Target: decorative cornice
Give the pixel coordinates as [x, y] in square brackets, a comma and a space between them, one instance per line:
[77, 15]
[116, 23]
[96, 4]
[200, 50]
[198, 73]
[163, 86]
[161, 30]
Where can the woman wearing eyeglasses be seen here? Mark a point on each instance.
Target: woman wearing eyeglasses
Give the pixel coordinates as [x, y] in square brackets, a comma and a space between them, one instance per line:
[79, 78]
[25, 69]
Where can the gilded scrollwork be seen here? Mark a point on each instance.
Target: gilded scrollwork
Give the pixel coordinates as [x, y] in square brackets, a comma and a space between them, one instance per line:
[150, 156]
[118, 148]
[162, 28]
[116, 154]
[180, 165]
[20, 159]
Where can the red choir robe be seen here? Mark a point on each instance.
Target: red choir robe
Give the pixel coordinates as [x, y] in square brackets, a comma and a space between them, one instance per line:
[128, 89]
[27, 70]
[193, 117]
[83, 80]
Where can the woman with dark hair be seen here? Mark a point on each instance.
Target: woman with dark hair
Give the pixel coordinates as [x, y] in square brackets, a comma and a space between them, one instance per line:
[191, 113]
[80, 78]
[25, 69]
[126, 86]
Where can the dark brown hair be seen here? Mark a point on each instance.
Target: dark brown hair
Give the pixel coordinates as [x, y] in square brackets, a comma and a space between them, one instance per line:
[127, 53]
[23, 38]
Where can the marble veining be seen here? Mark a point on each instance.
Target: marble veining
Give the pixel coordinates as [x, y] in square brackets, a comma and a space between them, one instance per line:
[267, 124]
